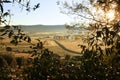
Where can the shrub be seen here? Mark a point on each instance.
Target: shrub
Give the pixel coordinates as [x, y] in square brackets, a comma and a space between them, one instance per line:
[20, 61]
[3, 62]
[8, 57]
[4, 69]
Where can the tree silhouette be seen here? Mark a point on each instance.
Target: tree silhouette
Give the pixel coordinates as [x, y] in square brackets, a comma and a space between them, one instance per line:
[12, 31]
[103, 42]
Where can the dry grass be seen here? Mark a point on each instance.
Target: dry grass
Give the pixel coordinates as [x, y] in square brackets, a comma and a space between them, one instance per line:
[50, 44]
[71, 44]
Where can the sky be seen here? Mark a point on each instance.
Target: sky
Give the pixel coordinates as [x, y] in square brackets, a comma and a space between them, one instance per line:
[47, 14]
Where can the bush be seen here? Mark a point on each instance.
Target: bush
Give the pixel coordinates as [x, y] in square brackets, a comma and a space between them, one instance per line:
[3, 62]
[8, 58]
[4, 69]
[13, 63]
[20, 61]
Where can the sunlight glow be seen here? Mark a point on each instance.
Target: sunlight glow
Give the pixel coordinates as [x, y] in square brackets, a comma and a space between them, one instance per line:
[113, 6]
[110, 15]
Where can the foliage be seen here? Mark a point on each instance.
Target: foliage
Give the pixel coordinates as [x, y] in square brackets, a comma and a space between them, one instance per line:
[4, 74]
[20, 61]
[5, 67]
[12, 31]
[97, 61]
[8, 62]
[50, 66]
[3, 62]
[7, 57]
[75, 28]
[100, 59]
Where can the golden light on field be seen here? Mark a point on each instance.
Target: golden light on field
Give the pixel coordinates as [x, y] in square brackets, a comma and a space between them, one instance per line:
[110, 15]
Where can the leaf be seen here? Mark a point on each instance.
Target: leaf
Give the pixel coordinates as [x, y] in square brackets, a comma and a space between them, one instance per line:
[3, 33]
[118, 45]
[106, 31]
[101, 51]
[15, 27]
[99, 33]
[2, 30]
[1, 8]
[12, 41]
[21, 37]
[25, 38]
[91, 1]
[10, 34]
[7, 1]
[108, 42]
[13, 1]
[112, 33]
[6, 14]
[27, 3]
[19, 30]
[108, 51]
[19, 1]
[58, 2]
[91, 43]
[91, 38]
[28, 9]
[83, 47]
[15, 37]
[7, 27]
[111, 41]
[38, 5]
[39, 45]
[15, 42]
[29, 39]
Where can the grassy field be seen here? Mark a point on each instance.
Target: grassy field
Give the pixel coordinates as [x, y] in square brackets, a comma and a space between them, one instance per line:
[23, 48]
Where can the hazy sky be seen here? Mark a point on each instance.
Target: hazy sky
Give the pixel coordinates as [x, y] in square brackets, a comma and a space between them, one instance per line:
[48, 13]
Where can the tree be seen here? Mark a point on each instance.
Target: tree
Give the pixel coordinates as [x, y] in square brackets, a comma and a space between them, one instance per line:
[98, 62]
[12, 31]
[99, 13]
[104, 39]
[9, 30]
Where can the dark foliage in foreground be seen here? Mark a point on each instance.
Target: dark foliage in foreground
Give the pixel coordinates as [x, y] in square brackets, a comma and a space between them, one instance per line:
[50, 66]
[100, 60]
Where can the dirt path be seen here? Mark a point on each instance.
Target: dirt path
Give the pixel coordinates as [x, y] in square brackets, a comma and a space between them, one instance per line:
[64, 48]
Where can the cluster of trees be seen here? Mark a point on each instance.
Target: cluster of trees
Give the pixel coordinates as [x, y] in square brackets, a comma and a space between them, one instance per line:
[100, 59]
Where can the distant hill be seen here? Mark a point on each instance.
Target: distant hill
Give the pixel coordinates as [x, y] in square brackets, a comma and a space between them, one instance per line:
[40, 25]
[44, 28]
